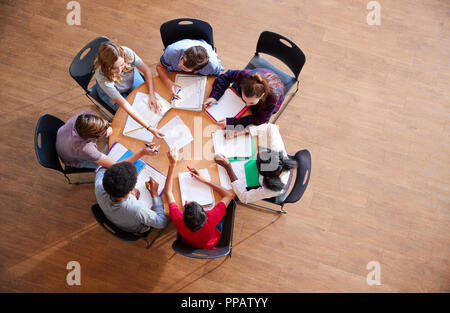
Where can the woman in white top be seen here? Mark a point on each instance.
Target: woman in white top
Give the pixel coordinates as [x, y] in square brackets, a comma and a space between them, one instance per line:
[116, 72]
[273, 165]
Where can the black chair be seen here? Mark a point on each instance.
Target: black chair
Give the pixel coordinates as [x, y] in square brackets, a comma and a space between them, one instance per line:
[82, 70]
[286, 51]
[186, 28]
[45, 147]
[303, 159]
[116, 231]
[223, 247]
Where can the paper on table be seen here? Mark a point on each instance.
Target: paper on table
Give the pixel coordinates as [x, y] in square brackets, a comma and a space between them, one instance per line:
[240, 146]
[238, 169]
[192, 189]
[192, 92]
[229, 105]
[140, 104]
[177, 134]
[143, 177]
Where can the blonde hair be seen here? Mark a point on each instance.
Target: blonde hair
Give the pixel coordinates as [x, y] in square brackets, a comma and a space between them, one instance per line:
[108, 53]
[90, 126]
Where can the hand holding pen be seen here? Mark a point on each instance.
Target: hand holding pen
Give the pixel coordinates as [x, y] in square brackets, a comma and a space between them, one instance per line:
[176, 89]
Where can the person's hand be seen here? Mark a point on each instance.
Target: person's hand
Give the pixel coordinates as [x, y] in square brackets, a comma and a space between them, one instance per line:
[231, 134]
[221, 160]
[198, 175]
[150, 150]
[152, 186]
[136, 193]
[154, 104]
[157, 133]
[173, 156]
[222, 124]
[208, 102]
[174, 89]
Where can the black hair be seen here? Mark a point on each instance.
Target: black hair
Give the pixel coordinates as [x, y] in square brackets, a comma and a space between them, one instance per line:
[194, 216]
[120, 179]
[271, 164]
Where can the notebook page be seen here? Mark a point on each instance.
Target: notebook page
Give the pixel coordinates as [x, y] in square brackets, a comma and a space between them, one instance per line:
[229, 105]
[238, 169]
[192, 189]
[240, 146]
[177, 134]
[192, 92]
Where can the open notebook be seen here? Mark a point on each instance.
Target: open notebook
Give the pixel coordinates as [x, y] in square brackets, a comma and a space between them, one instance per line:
[192, 92]
[229, 105]
[240, 146]
[192, 189]
[118, 152]
[140, 104]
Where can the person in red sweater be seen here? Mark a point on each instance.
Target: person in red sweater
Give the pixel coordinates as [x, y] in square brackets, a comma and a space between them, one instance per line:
[197, 227]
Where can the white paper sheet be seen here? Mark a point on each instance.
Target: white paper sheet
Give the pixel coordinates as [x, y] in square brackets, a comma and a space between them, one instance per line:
[192, 189]
[229, 105]
[238, 169]
[177, 134]
[192, 92]
[240, 146]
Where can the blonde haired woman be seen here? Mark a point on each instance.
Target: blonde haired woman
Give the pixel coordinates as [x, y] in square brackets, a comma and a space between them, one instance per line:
[117, 74]
[76, 142]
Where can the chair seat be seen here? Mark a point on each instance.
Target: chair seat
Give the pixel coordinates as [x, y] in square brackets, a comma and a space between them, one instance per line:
[92, 92]
[259, 61]
[74, 170]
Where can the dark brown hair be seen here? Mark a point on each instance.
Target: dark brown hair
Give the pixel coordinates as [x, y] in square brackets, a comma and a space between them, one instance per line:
[195, 58]
[255, 85]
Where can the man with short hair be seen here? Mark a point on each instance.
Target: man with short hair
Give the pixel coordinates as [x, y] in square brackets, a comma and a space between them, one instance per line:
[119, 200]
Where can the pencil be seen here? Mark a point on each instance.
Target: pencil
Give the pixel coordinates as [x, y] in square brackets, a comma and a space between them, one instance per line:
[133, 130]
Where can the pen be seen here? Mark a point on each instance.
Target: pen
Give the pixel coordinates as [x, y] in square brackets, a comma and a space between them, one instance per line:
[148, 146]
[178, 91]
[190, 170]
[214, 103]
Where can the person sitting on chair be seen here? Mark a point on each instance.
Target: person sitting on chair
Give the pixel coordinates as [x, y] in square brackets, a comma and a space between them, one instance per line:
[76, 142]
[261, 89]
[119, 200]
[117, 74]
[196, 227]
[273, 166]
[187, 55]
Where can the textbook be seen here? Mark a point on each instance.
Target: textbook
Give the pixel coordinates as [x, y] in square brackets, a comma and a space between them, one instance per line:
[118, 152]
[140, 104]
[229, 105]
[239, 146]
[192, 92]
[192, 189]
[176, 133]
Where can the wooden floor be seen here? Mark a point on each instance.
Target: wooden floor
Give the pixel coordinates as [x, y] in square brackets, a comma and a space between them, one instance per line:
[373, 109]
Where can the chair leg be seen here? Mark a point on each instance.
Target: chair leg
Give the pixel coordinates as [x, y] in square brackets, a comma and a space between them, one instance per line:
[109, 117]
[281, 211]
[77, 183]
[284, 106]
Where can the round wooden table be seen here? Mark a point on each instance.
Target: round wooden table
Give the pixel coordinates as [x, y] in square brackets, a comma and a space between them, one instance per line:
[198, 154]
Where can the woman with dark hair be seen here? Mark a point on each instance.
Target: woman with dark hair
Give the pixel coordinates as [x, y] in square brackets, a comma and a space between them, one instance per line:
[273, 166]
[261, 89]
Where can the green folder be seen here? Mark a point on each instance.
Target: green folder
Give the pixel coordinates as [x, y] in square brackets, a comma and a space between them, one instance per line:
[251, 174]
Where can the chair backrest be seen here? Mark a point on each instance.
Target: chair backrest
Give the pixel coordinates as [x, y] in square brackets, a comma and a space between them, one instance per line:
[82, 67]
[45, 141]
[303, 159]
[222, 248]
[283, 49]
[186, 28]
[110, 227]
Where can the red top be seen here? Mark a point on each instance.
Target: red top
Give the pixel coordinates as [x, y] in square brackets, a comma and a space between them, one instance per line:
[205, 238]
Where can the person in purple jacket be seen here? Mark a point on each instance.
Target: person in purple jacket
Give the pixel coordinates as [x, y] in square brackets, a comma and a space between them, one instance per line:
[261, 89]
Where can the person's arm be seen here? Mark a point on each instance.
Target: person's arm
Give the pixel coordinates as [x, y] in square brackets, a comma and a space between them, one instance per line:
[225, 194]
[106, 161]
[173, 158]
[223, 161]
[164, 76]
[258, 117]
[155, 217]
[223, 82]
[152, 101]
[123, 103]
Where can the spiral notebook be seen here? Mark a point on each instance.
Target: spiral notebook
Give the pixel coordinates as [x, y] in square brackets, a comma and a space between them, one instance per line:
[229, 105]
[192, 92]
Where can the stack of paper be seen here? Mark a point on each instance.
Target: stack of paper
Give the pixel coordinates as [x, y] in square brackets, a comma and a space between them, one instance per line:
[192, 92]
[140, 105]
[192, 189]
[229, 105]
[176, 133]
[240, 146]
